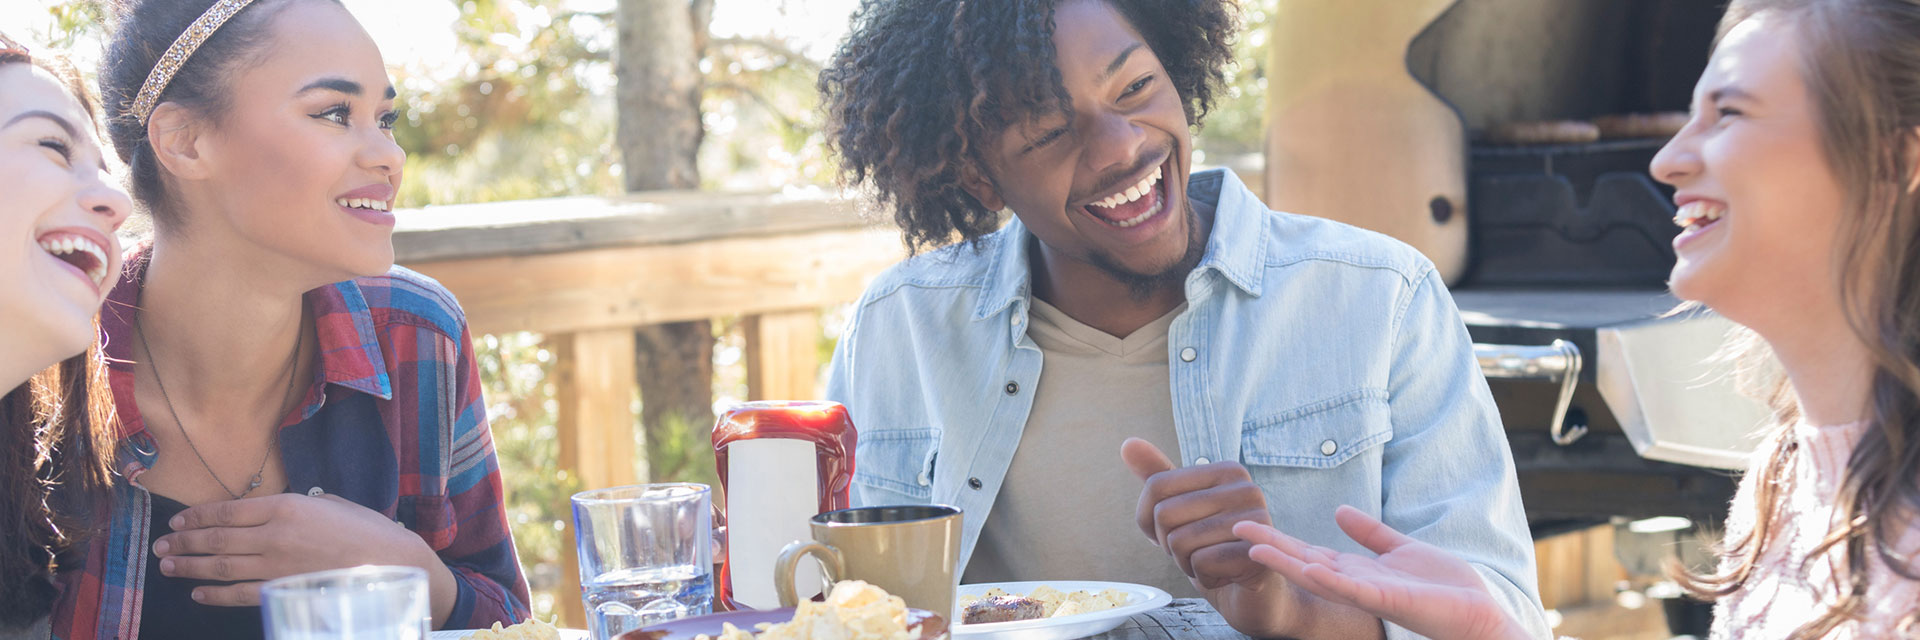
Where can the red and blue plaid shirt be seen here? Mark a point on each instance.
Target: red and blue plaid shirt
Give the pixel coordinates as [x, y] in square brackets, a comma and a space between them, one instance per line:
[394, 422]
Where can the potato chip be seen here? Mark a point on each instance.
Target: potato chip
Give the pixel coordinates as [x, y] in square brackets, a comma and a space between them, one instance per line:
[854, 610]
[532, 629]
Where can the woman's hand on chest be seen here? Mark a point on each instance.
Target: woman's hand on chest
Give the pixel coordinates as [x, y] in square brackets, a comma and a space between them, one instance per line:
[251, 540]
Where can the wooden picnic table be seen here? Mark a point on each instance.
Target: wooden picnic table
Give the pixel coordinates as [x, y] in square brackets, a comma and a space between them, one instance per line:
[1185, 619]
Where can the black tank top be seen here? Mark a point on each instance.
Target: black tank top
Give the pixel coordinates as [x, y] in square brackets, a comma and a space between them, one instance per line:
[167, 609]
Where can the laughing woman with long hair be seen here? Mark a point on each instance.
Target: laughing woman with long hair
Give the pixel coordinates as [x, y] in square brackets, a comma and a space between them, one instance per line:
[288, 400]
[1798, 182]
[58, 255]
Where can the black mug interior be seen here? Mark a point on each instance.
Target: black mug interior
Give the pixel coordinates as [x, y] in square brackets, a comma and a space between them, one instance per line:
[885, 514]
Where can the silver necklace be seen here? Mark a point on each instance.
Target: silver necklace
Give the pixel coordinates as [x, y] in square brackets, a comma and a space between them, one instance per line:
[253, 482]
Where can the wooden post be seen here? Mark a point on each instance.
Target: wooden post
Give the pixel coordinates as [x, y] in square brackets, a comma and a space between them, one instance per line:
[783, 357]
[1578, 568]
[1562, 565]
[595, 389]
[594, 382]
[1604, 572]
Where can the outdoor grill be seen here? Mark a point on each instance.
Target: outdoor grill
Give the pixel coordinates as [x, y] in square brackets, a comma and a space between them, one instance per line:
[1613, 405]
[1560, 260]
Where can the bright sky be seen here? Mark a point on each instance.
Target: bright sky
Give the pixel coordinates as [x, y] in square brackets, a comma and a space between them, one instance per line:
[410, 30]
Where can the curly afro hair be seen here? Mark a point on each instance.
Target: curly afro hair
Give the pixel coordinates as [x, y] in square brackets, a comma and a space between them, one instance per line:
[919, 85]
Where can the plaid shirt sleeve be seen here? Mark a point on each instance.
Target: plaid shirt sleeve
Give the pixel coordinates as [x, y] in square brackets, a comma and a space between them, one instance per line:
[481, 553]
[436, 382]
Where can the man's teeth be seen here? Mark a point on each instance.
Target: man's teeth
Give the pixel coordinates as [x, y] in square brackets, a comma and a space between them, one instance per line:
[362, 203]
[1136, 220]
[1698, 211]
[64, 245]
[1132, 193]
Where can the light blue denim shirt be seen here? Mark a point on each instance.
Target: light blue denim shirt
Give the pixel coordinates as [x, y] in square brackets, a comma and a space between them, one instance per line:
[1328, 360]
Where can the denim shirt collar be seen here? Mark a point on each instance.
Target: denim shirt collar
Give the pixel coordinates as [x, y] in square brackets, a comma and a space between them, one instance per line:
[1236, 247]
[1009, 275]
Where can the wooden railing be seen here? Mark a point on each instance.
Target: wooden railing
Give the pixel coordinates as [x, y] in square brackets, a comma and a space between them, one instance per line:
[587, 271]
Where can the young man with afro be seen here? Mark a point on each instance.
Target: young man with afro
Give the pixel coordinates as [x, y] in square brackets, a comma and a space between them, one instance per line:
[1139, 349]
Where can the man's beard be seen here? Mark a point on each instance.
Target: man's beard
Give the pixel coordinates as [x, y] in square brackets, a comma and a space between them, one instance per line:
[1142, 286]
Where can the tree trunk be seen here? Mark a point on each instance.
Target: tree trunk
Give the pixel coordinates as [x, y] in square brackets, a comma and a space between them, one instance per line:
[657, 63]
[658, 67]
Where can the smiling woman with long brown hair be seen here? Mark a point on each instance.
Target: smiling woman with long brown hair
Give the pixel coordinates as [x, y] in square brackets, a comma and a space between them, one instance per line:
[58, 253]
[1798, 182]
[1822, 539]
[288, 400]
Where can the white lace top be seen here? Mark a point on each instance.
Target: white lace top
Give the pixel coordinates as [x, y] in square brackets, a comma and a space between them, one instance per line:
[1784, 592]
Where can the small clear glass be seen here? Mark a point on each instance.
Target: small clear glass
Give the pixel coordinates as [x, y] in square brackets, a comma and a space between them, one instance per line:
[646, 555]
[362, 603]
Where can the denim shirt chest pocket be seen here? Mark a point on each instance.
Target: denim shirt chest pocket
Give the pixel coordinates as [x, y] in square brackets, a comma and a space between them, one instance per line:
[1321, 435]
[898, 461]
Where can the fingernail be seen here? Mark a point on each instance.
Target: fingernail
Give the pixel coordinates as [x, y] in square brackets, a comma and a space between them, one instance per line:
[177, 522]
[199, 597]
[160, 548]
[166, 567]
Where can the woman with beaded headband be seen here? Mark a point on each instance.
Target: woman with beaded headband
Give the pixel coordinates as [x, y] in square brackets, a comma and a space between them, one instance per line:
[289, 400]
[58, 255]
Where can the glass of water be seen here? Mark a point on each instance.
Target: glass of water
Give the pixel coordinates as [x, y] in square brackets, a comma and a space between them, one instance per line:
[362, 603]
[646, 555]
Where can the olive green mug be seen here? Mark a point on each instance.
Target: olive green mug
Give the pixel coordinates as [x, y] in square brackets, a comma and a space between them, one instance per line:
[912, 551]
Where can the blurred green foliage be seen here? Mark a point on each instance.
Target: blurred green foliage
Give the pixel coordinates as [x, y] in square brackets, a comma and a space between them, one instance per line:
[1237, 124]
[71, 22]
[527, 114]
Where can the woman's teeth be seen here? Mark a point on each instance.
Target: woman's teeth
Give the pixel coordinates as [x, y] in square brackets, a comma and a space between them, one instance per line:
[1699, 212]
[362, 203]
[76, 250]
[1132, 193]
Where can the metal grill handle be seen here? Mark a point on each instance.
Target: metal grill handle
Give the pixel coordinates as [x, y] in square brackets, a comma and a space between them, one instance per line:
[1558, 362]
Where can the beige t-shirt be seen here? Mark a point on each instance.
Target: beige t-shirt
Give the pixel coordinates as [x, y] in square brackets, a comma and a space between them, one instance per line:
[1066, 509]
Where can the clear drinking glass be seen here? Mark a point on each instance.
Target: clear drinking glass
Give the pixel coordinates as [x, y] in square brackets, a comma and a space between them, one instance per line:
[646, 555]
[362, 603]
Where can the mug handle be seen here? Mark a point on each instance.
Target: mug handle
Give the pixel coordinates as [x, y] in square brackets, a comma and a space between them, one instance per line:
[783, 568]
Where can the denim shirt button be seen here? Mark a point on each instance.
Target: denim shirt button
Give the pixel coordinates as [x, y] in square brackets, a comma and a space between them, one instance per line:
[1202, 460]
[1188, 354]
[1327, 448]
[974, 483]
[316, 492]
[1013, 388]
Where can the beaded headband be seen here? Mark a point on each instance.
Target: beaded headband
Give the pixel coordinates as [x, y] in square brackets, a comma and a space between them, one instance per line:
[177, 55]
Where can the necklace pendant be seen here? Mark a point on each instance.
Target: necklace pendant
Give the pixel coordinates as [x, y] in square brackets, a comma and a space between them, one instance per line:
[253, 483]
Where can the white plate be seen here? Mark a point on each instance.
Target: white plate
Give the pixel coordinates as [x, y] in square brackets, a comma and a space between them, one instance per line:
[565, 634]
[1140, 599]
